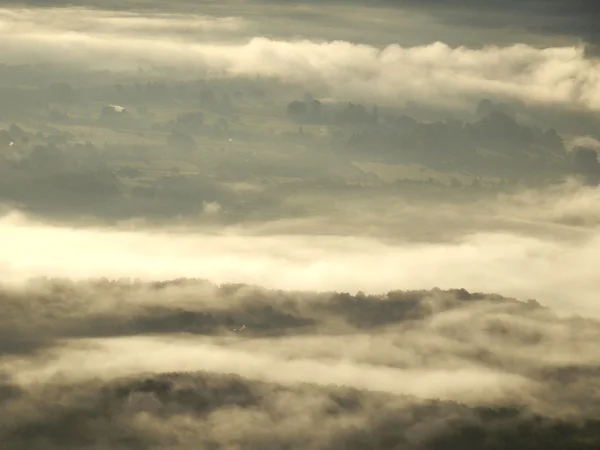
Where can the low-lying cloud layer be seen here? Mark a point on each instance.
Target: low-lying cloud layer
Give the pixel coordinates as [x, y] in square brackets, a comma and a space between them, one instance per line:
[435, 74]
[187, 363]
[543, 245]
[368, 315]
[105, 364]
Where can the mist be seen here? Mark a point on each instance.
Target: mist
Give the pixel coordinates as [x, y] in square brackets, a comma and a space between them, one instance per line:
[287, 225]
[555, 264]
[391, 74]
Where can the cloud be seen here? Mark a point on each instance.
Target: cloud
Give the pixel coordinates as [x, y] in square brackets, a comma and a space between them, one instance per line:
[192, 410]
[193, 362]
[556, 266]
[584, 141]
[371, 364]
[113, 358]
[211, 208]
[109, 22]
[427, 344]
[147, 363]
[435, 74]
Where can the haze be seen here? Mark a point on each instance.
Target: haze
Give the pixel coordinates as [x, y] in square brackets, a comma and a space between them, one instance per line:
[294, 225]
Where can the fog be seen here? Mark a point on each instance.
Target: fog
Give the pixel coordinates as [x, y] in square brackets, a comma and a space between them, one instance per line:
[99, 363]
[435, 73]
[287, 225]
[556, 264]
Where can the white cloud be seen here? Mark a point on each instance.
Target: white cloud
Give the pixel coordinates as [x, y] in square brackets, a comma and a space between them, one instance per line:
[122, 357]
[81, 20]
[211, 208]
[560, 273]
[435, 74]
[584, 141]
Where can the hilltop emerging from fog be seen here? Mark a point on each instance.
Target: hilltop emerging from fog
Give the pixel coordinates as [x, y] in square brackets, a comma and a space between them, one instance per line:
[187, 363]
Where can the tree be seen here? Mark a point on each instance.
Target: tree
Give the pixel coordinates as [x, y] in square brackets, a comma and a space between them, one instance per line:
[553, 142]
[182, 141]
[315, 110]
[226, 106]
[585, 163]
[190, 122]
[455, 183]
[61, 93]
[208, 98]
[500, 132]
[47, 159]
[297, 109]
[355, 114]
[222, 124]
[485, 107]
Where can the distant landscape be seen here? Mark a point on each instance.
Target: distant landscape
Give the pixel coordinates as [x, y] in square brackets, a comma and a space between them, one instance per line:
[115, 146]
[299, 225]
